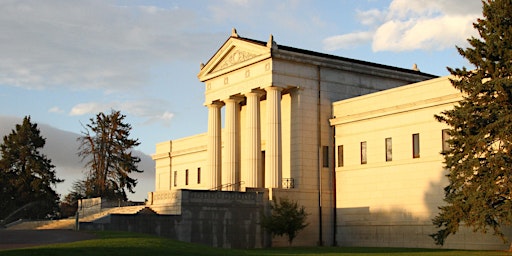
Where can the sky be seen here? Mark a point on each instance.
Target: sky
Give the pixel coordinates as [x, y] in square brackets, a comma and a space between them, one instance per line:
[62, 62]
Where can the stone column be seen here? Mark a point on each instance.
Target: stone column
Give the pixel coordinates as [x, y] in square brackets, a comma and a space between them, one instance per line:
[253, 148]
[273, 156]
[231, 164]
[214, 145]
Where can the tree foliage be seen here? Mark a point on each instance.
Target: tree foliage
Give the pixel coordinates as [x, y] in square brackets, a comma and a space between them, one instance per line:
[27, 176]
[286, 218]
[480, 160]
[106, 149]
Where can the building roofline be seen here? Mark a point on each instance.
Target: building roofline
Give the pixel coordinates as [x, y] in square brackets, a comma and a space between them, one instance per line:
[277, 49]
[335, 57]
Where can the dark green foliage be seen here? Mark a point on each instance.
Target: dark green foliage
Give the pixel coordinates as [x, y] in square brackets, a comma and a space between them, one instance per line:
[286, 218]
[26, 175]
[106, 148]
[480, 160]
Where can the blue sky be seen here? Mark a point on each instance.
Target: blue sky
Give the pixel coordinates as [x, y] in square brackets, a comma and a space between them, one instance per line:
[64, 61]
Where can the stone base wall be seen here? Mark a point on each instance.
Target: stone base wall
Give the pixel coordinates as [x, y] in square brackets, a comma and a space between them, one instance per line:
[214, 218]
[414, 236]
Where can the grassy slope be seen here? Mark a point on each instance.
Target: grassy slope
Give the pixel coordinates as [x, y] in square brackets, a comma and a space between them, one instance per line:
[114, 243]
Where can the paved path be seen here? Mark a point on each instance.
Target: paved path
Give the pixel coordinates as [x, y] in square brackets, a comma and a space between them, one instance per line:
[11, 239]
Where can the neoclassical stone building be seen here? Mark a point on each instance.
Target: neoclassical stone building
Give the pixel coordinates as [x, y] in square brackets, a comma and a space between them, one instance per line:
[355, 142]
[276, 102]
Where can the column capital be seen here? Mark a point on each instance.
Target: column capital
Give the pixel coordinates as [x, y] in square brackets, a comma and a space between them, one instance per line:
[234, 98]
[258, 92]
[215, 104]
[273, 88]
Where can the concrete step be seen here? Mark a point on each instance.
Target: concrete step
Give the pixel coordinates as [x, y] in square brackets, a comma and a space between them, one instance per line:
[116, 210]
[147, 211]
[59, 224]
[27, 224]
[70, 222]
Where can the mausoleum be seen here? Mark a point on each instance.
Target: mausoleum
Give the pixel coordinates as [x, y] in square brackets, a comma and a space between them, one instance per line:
[355, 142]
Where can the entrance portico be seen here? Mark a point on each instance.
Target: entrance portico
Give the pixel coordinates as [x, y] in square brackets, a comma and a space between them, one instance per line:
[240, 74]
[226, 176]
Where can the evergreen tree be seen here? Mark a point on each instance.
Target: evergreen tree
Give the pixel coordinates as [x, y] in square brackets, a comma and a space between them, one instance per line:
[479, 162]
[106, 148]
[26, 175]
[286, 218]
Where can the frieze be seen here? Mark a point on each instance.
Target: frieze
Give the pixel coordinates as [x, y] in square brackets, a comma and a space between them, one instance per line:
[236, 57]
[161, 196]
[223, 195]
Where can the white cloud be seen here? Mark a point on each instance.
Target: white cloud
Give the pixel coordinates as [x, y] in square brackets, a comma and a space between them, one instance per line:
[413, 25]
[55, 110]
[347, 40]
[149, 110]
[88, 108]
[92, 43]
[426, 34]
[370, 17]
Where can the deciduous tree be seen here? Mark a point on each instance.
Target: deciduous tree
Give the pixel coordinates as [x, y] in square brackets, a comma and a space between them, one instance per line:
[286, 218]
[27, 177]
[479, 163]
[106, 148]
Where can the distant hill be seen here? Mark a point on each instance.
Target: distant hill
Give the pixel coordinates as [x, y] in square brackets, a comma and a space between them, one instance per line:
[62, 147]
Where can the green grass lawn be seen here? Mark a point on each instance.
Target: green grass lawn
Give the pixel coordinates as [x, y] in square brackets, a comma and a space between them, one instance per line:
[118, 243]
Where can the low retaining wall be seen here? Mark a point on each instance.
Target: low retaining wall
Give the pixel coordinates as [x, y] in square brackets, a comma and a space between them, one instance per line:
[215, 218]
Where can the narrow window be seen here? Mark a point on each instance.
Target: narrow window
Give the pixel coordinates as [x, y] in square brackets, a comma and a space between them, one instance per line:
[446, 137]
[389, 150]
[416, 145]
[340, 156]
[325, 154]
[175, 178]
[186, 177]
[199, 175]
[363, 152]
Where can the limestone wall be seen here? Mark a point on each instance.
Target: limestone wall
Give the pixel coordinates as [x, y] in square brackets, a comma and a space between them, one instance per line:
[391, 202]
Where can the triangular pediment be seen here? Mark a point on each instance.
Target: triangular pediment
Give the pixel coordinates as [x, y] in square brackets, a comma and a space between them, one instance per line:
[234, 54]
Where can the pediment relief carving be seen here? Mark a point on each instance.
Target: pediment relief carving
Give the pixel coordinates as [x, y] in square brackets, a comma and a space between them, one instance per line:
[234, 57]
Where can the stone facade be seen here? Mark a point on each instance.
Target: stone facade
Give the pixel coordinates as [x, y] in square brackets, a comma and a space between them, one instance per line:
[389, 185]
[276, 103]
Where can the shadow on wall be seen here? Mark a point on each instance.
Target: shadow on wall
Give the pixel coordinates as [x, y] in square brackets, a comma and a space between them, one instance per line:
[399, 227]
[465, 238]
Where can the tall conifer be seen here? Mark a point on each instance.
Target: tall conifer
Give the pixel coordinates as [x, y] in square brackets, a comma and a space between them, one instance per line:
[479, 162]
[27, 177]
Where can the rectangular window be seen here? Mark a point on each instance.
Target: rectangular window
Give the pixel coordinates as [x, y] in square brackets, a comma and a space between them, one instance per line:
[389, 150]
[175, 178]
[186, 177]
[446, 137]
[340, 156]
[199, 175]
[416, 145]
[363, 153]
[325, 154]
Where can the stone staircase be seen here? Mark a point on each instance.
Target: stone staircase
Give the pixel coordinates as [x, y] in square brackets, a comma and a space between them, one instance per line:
[26, 224]
[70, 222]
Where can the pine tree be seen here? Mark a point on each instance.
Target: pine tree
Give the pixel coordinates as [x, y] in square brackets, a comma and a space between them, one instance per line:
[106, 148]
[26, 175]
[286, 218]
[479, 163]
